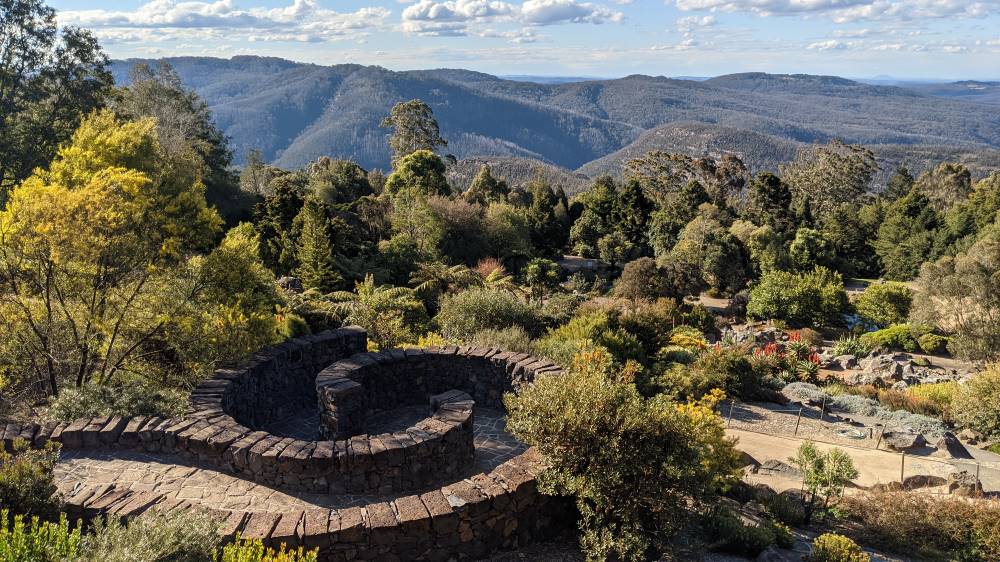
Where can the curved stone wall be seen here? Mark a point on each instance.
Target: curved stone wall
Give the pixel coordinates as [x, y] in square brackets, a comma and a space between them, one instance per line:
[351, 390]
[465, 517]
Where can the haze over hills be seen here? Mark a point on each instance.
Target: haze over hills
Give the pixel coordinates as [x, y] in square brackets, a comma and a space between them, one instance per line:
[295, 112]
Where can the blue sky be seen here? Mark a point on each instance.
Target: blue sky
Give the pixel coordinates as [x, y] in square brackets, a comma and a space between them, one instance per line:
[947, 39]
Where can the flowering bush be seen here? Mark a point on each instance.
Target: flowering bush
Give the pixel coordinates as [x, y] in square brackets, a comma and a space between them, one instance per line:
[836, 548]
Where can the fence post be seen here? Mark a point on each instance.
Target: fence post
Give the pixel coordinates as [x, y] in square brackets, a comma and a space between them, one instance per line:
[880, 434]
[732, 406]
[902, 465]
[979, 486]
[797, 420]
[822, 409]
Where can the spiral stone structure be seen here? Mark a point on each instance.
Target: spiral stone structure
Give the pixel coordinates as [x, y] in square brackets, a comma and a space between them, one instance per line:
[395, 455]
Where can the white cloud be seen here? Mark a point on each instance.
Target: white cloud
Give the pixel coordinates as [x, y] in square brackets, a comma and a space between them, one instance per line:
[456, 10]
[529, 12]
[521, 36]
[830, 45]
[690, 23]
[843, 11]
[547, 12]
[855, 33]
[450, 18]
[302, 20]
[684, 45]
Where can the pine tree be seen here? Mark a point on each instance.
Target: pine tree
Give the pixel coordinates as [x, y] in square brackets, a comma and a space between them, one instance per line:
[547, 232]
[899, 184]
[770, 203]
[632, 213]
[317, 268]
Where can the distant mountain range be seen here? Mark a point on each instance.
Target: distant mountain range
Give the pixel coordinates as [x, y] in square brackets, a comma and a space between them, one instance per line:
[572, 129]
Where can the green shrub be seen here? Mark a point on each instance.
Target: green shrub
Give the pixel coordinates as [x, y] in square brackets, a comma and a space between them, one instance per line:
[652, 322]
[129, 400]
[933, 344]
[631, 463]
[559, 308]
[787, 508]
[254, 551]
[824, 476]
[292, 326]
[850, 345]
[27, 486]
[885, 304]
[816, 298]
[37, 542]
[586, 331]
[976, 404]
[726, 368]
[513, 338]
[178, 536]
[897, 336]
[830, 547]
[730, 534]
[472, 311]
[783, 537]
[675, 354]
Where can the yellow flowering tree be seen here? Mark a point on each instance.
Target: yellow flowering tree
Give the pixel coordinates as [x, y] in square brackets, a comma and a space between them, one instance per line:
[89, 249]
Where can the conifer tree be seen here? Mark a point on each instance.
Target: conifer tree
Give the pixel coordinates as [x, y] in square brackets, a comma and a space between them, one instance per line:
[317, 268]
[632, 213]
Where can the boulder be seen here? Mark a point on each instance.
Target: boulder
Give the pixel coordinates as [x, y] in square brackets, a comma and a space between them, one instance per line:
[970, 436]
[949, 447]
[748, 462]
[844, 362]
[884, 367]
[776, 467]
[923, 481]
[893, 486]
[291, 284]
[964, 484]
[903, 441]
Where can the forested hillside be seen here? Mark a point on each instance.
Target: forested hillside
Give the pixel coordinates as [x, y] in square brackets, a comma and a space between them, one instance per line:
[763, 152]
[296, 112]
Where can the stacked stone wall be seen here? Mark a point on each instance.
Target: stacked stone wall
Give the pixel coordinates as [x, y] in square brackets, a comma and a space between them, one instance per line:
[466, 518]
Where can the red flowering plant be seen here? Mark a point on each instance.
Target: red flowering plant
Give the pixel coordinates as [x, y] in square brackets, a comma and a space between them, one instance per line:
[796, 360]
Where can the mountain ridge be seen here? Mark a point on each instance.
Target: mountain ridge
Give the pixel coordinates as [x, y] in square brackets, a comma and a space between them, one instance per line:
[296, 112]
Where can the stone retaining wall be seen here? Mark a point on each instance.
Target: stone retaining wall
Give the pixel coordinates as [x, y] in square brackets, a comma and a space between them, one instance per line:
[278, 381]
[464, 519]
[351, 390]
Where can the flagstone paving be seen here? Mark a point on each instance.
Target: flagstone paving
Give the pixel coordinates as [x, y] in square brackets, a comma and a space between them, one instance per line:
[179, 478]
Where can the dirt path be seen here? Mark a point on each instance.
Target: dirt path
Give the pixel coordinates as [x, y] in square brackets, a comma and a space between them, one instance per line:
[874, 466]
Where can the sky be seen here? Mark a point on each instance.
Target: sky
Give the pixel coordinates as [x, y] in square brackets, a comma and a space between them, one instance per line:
[905, 39]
